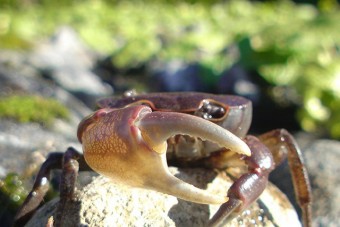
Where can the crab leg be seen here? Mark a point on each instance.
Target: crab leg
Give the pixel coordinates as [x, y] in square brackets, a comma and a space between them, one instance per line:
[249, 186]
[39, 190]
[129, 146]
[68, 162]
[283, 145]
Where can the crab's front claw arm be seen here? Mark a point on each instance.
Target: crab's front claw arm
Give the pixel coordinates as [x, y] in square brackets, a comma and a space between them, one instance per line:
[129, 145]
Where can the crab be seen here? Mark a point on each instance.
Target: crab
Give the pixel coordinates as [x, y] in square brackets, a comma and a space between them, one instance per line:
[133, 139]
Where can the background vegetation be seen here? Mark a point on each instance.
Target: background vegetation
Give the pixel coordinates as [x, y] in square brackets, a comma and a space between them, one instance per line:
[32, 109]
[287, 44]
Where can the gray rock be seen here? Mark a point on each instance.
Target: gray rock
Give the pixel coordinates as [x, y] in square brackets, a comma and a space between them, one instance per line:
[19, 142]
[68, 62]
[24, 146]
[17, 76]
[323, 158]
[103, 203]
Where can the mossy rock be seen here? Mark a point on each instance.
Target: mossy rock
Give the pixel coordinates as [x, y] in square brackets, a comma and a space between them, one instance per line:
[32, 108]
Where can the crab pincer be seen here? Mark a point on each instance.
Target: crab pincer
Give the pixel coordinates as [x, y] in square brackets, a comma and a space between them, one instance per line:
[129, 146]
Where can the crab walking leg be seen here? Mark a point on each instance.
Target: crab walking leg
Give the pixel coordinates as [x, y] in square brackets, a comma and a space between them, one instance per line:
[55, 160]
[39, 190]
[249, 186]
[283, 145]
[156, 127]
[73, 162]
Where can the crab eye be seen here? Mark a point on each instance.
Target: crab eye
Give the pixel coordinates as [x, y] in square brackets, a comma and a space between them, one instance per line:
[211, 110]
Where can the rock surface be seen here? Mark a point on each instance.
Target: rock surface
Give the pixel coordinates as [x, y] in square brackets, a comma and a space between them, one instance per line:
[103, 203]
[323, 165]
[68, 62]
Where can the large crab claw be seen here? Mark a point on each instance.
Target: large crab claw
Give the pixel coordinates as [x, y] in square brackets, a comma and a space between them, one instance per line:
[129, 145]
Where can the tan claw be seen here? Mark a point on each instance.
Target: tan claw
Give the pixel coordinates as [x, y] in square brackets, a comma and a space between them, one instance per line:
[128, 145]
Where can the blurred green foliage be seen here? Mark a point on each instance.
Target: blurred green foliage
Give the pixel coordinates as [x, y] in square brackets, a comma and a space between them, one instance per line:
[32, 108]
[12, 193]
[287, 44]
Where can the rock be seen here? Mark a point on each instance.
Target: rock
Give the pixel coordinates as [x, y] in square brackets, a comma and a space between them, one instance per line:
[19, 77]
[20, 142]
[323, 158]
[23, 147]
[66, 60]
[103, 203]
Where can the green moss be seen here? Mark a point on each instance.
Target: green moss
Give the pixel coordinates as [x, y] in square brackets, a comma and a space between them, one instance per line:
[12, 192]
[32, 109]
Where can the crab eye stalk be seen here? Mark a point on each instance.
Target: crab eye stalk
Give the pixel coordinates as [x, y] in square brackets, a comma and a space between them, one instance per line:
[129, 146]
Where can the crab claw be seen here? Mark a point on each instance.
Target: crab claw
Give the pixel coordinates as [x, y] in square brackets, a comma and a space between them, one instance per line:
[157, 127]
[129, 145]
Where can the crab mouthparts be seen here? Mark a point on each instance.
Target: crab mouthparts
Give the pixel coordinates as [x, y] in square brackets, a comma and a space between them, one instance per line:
[157, 127]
